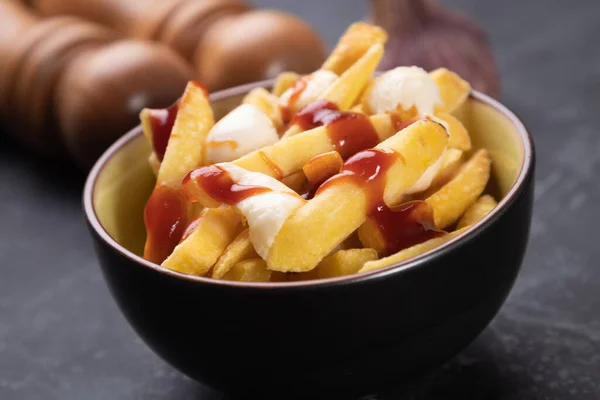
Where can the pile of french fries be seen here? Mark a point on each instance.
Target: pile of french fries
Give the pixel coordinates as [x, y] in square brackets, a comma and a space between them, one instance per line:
[330, 233]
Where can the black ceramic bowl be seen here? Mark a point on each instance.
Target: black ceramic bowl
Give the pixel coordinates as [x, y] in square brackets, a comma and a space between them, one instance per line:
[354, 335]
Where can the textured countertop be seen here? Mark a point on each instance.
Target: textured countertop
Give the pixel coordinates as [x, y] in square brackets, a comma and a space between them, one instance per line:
[62, 336]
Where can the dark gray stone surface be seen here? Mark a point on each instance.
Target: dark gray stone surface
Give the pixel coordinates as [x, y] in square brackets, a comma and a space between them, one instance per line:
[62, 337]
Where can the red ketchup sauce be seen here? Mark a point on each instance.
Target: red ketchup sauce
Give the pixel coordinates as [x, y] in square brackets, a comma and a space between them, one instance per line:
[297, 89]
[165, 217]
[366, 169]
[201, 86]
[276, 172]
[162, 121]
[349, 132]
[405, 225]
[401, 226]
[219, 185]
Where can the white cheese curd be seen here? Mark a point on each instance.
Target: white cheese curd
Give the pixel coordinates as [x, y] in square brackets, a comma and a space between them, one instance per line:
[264, 212]
[240, 132]
[317, 84]
[405, 87]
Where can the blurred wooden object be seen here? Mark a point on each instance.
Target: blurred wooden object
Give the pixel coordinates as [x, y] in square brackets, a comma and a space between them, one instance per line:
[218, 36]
[71, 87]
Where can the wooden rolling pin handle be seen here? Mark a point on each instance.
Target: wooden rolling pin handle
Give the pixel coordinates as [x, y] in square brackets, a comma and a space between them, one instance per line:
[70, 84]
[217, 35]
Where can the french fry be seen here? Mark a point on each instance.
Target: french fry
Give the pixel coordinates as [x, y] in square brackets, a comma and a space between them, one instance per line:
[185, 148]
[482, 207]
[251, 270]
[358, 108]
[288, 156]
[459, 137]
[184, 152]
[320, 168]
[344, 262]
[267, 103]
[214, 230]
[410, 252]
[331, 216]
[145, 121]
[453, 160]
[452, 200]
[357, 39]
[296, 181]
[154, 163]
[283, 82]
[283, 159]
[414, 218]
[239, 249]
[344, 91]
[347, 88]
[453, 89]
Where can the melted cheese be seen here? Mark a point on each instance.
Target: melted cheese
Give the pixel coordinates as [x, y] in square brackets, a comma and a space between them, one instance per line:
[404, 87]
[264, 212]
[240, 132]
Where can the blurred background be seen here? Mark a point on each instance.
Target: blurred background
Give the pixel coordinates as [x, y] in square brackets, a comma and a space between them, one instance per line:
[61, 335]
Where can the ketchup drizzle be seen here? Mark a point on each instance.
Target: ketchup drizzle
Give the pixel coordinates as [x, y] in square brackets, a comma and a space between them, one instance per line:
[367, 169]
[401, 226]
[201, 86]
[297, 90]
[404, 225]
[349, 132]
[219, 185]
[161, 123]
[165, 216]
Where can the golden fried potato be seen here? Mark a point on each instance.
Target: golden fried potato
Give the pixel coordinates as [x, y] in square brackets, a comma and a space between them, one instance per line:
[453, 89]
[296, 181]
[357, 39]
[291, 154]
[410, 252]
[453, 199]
[453, 161]
[320, 168]
[459, 137]
[239, 249]
[198, 252]
[251, 270]
[184, 152]
[344, 262]
[346, 89]
[185, 147]
[154, 163]
[317, 227]
[284, 81]
[482, 207]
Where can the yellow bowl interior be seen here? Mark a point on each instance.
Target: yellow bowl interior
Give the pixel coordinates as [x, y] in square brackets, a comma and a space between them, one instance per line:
[125, 181]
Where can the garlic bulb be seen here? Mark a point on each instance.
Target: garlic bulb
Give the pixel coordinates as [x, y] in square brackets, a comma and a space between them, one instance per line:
[423, 33]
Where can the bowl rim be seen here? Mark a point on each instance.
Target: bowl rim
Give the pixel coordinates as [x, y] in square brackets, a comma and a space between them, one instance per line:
[469, 234]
